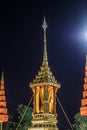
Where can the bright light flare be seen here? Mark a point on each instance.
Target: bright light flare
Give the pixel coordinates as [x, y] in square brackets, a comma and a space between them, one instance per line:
[85, 35]
[78, 33]
[80, 36]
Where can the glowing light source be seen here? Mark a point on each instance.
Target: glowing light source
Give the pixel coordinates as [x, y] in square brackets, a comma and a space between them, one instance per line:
[78, 33]
[85, 35]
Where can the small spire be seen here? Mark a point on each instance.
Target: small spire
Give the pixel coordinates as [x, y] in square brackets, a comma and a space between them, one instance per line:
[45, 59]
[86, 59]
[2, 77]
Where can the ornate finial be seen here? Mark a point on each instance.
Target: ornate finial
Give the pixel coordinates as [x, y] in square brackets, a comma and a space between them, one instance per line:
[44, 26]
[86, 59]
[45, 59]
[2, 77]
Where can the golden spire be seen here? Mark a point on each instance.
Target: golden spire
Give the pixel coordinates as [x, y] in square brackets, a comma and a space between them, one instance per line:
[2, 77]
[44, 75]
[86, 59]
[45, 58]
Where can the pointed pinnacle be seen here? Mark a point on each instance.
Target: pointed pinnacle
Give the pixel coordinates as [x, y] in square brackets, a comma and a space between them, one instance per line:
[86, 59]
[2, 77]
[45, 58]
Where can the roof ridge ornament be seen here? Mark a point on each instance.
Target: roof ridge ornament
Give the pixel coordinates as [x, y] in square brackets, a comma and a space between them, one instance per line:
[45, 57]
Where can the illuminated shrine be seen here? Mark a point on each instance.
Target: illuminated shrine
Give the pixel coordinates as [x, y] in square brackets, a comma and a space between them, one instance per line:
[83, 108]
[44, 88]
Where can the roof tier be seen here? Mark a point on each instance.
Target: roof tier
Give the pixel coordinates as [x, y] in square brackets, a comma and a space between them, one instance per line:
[44, 77]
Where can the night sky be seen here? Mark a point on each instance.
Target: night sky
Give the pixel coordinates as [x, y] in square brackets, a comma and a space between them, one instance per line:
[21, 49]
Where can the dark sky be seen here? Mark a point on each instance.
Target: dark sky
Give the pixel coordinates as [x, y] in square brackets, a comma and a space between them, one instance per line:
[21, 49]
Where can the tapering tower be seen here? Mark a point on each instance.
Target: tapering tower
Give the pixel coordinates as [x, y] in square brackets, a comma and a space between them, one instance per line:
[83, 108]
[44, 87]
[3, 109]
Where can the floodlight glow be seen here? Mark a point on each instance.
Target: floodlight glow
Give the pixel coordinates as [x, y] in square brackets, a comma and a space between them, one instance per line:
[85, 35]
[81, 35]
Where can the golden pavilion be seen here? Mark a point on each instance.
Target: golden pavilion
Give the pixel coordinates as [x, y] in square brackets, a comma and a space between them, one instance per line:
[44, 88]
